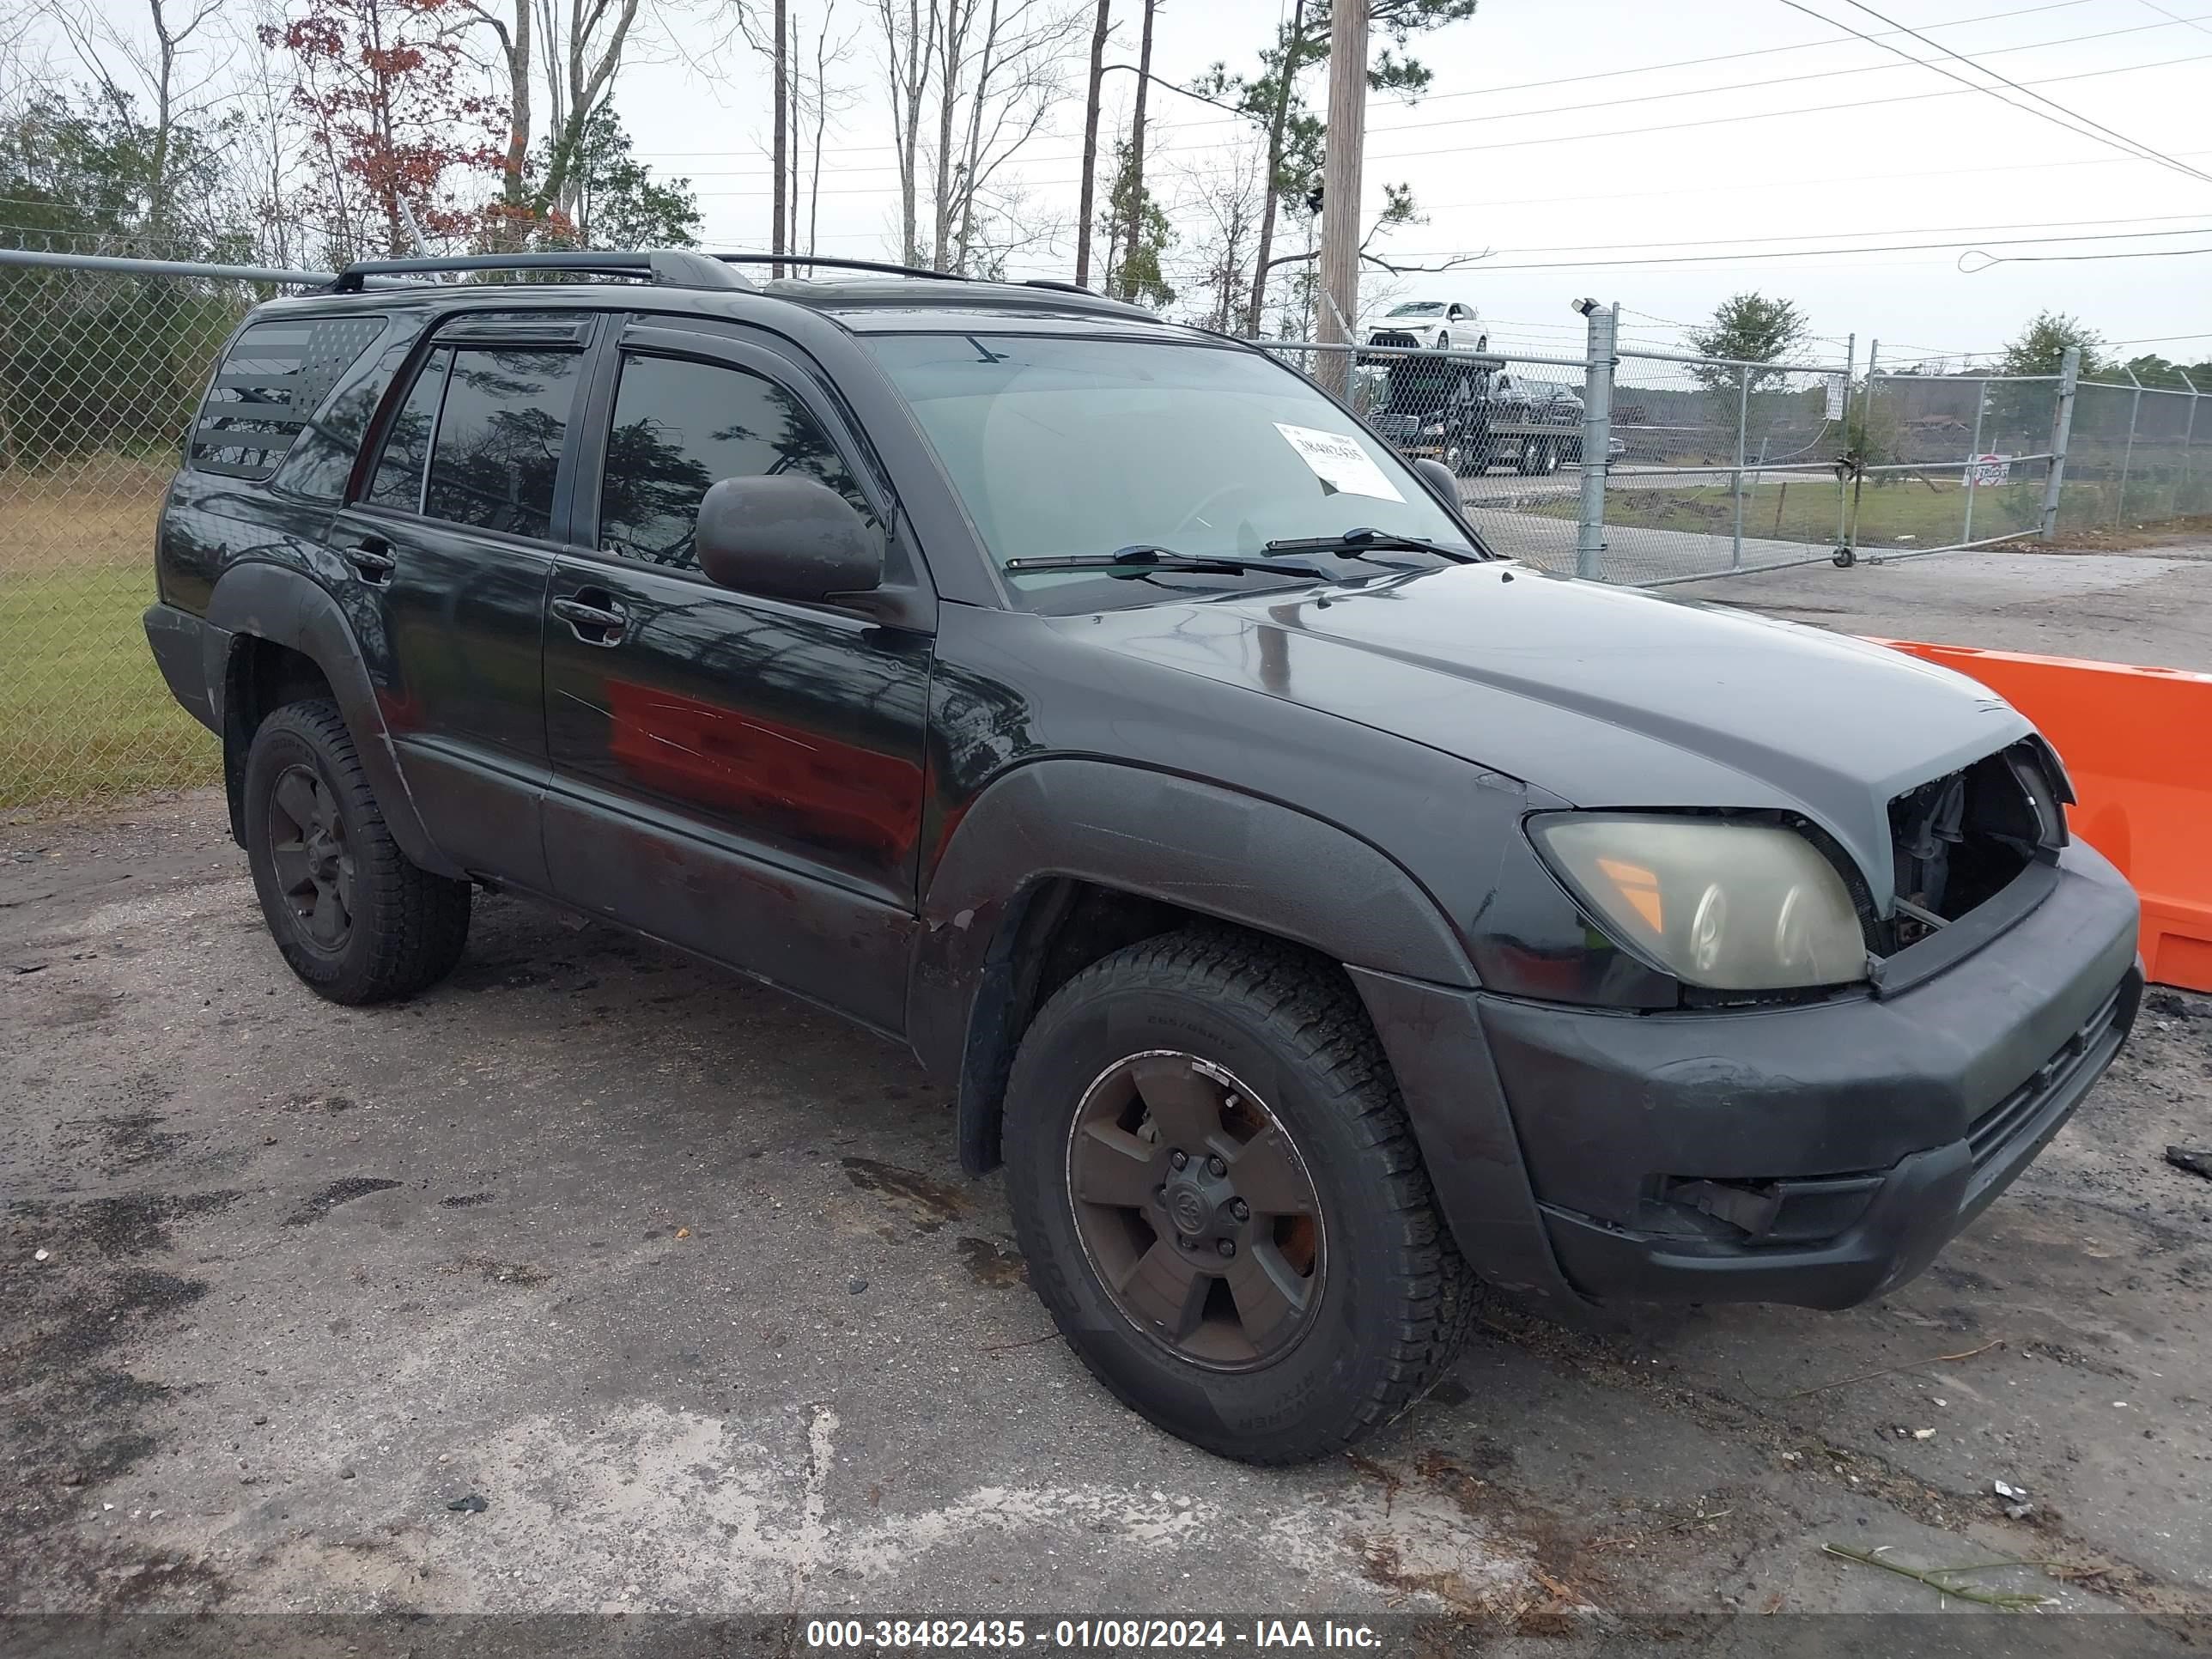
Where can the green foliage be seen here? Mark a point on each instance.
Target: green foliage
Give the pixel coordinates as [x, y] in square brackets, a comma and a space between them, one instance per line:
[1750, 328]
[619, 203]
[1138, 279]
[2041, 347]
[99, 362]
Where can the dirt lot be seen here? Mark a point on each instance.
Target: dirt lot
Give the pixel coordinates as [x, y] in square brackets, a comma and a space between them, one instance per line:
[682, 1280]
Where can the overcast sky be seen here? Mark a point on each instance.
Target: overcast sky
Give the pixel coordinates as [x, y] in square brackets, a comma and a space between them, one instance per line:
[1561, 134]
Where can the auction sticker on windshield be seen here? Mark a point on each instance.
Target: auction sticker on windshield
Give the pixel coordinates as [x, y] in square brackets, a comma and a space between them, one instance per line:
[1340, 461]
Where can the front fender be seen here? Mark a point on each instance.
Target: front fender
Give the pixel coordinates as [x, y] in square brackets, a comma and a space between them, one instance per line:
[1235, 857]
[263, 600]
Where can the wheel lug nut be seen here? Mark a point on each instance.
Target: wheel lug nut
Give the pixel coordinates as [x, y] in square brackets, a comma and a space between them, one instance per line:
[1176, 1160]
[1215, 1167]
[1227, 1247]
[1185, 1243]
[1241, 1210]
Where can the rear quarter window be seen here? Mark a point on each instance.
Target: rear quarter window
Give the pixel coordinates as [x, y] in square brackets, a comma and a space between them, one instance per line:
[267, 388]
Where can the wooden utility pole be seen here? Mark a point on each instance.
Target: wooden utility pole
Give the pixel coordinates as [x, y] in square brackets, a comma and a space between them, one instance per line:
[1083, 213]
[1136, 205]
[782, 207]
[1338, 320]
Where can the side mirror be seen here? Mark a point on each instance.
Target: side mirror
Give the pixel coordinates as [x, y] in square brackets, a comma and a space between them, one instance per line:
[787, 536]
[1439, 477]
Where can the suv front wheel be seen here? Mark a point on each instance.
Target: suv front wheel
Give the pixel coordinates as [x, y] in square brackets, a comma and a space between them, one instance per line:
[1220, 1200]
[353, 917]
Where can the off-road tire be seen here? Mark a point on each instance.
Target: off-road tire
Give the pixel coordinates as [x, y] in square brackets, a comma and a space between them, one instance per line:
[1395, 1297]
[408, 926]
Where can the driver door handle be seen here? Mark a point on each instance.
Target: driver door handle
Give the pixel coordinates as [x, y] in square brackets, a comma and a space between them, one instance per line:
[373, 559]
[594, 617]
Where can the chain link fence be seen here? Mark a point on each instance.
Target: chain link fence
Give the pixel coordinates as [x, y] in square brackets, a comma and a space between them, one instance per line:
[1634, 466]
[101, 371]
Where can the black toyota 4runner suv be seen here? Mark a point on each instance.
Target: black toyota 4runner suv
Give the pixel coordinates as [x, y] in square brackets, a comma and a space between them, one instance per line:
[1315, 912]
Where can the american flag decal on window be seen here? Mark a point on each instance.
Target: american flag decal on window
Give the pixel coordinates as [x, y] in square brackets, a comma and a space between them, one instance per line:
[274, 377]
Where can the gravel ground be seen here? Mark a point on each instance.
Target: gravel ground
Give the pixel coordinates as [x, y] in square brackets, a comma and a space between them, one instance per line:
[681, 1280]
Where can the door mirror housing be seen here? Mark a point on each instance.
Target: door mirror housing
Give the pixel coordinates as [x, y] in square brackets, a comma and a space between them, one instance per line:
[1438, 478]
[787, 536]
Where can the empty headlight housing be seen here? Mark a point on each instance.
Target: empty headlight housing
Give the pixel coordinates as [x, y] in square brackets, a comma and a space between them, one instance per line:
[1725, 905]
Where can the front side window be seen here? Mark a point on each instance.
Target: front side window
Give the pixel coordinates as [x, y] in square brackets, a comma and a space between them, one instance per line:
[496, 454]
[681, 426]
[1063, 447]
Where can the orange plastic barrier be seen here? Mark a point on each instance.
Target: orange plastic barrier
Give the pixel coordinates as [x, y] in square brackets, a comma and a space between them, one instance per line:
[2137, 742]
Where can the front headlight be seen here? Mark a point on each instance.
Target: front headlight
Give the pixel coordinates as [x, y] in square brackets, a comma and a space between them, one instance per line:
[1433, 430]
[1727, 906]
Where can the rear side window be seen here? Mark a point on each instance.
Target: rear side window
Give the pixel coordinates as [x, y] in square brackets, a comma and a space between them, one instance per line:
[680, 427]
[477, 440]
[272, 379]
[398, 481]
[497, 453]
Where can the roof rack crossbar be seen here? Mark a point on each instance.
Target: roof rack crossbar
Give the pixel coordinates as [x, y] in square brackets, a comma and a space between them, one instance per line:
[669, 267]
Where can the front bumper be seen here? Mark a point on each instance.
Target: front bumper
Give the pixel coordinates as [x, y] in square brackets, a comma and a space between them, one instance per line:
[1815, 1154]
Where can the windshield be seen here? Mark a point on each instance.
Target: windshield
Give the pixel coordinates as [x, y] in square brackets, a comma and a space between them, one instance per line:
[1419, 308]
[1064, 448]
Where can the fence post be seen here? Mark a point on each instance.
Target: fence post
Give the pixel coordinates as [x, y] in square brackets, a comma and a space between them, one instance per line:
[2128, 455]
[2189, 434]
[1973, 459]
[2062, 430]
[1843, 497]
[1742, 431]
[1866, 433]
[1597, 439]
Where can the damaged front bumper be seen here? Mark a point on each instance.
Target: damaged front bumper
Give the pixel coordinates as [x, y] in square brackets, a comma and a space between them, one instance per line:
[1815, 1154]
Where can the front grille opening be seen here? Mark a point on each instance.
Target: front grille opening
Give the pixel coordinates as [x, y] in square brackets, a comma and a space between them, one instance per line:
[1959, 841]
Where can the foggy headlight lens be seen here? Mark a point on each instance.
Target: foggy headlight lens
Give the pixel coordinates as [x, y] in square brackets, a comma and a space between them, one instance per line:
[1730, 907]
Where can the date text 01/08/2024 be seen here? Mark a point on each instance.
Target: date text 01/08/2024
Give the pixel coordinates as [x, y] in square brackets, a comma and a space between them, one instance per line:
[1114, 1635]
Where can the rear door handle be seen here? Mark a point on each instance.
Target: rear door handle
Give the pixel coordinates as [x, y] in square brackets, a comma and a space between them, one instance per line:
[372, 560]
[600, 624]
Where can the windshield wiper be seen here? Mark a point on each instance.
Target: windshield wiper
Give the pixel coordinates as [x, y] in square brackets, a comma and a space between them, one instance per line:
[1142, 560]
[1360, 540]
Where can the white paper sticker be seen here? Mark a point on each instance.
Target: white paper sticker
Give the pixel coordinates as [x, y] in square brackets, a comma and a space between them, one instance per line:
[1340, 461]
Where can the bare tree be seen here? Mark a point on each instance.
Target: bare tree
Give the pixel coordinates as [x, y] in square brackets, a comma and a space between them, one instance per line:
[517, 71]
[115, 59]
[1137, 138]
[1099, 31]
[909, 56]
[814, 102]
[1228, 205]
[580, 46]
[780, 154]
[1000, 72]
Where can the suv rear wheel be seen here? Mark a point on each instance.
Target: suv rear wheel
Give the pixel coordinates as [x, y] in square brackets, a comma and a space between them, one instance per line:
[1220, 1200]
[353, 916]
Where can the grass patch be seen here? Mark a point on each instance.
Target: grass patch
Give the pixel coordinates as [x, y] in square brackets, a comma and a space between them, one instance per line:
[1909, 514]
[84, 713]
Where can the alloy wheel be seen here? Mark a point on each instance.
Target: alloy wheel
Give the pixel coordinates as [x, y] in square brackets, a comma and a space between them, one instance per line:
[1196, 1209]
[313, 862]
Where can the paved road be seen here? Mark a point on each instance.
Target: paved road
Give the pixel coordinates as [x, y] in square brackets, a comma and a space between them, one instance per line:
[682, 1279]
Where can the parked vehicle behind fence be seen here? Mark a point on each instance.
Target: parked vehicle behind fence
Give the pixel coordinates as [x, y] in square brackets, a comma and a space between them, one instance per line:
[1313, 912]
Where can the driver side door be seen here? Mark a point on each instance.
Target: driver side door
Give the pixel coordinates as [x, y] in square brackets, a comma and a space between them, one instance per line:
[737, 775]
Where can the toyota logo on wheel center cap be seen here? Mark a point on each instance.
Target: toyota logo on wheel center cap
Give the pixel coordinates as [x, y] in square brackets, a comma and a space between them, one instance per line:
[1189, 1211]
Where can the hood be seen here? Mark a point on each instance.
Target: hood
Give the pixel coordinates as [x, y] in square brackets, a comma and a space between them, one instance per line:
[1607, 697]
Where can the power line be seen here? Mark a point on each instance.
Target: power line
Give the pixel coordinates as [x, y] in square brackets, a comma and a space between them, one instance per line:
[1617, 132]
[1732, 252]
[2111, 138]
[1558, 109]
[1566, 79]
[1989, 259]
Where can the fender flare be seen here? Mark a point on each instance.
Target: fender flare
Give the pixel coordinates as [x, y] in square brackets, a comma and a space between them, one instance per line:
[263, 600]
[1236, 858]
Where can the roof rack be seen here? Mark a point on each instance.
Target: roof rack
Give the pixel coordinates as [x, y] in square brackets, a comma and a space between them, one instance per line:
[667, 267]
[830, 262]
